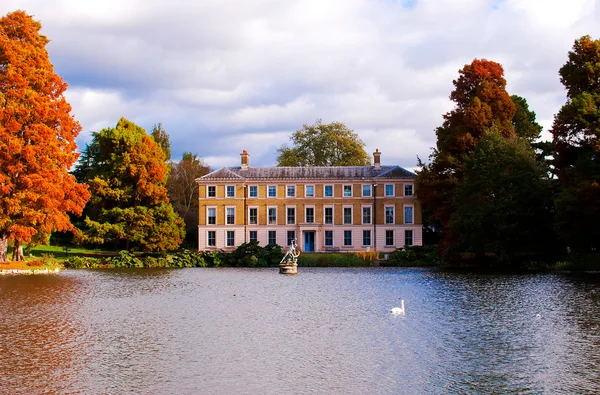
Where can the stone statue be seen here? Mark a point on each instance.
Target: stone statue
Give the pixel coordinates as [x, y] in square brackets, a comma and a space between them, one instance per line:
[291, 256]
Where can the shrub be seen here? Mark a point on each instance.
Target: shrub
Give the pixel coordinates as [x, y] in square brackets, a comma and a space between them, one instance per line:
[331, 260]
[413, 256]
[125, 259]
[79, 262]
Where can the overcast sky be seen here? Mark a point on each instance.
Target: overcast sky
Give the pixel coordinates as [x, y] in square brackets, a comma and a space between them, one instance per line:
[228, 75]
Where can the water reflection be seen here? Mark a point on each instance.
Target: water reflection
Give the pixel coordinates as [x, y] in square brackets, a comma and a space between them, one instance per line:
[325, 331]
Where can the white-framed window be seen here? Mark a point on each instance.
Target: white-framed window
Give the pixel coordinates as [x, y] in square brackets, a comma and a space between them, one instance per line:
[408, 215]
[230, 191]
[366, 214]
[366, 190]
[291, 235]
[230, 238]
[408, 237]
[328, 215]
[366, 238]
[389, 190]
[347, 190]
[272, 191]
[329, 238]
[211, 191]
[272, 215]
[347, 215]
[309, 216]
[309, 191]
[230, 215]
[389, 215]
[253, 191]
[347, 238]
[408, 189]
[290, 215]
[389, 237]
[253, 215]
[211, 238]
[253, 235]
[290, 191]
[272, 237]
[328, 191]
[211, 215]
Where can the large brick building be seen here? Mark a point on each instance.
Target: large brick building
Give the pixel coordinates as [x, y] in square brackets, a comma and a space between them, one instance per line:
[347, 208]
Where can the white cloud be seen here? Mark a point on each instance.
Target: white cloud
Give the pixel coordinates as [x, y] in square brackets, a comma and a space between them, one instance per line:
[227, 75]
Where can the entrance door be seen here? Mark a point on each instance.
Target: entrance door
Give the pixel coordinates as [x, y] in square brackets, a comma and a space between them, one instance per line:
[309, 241]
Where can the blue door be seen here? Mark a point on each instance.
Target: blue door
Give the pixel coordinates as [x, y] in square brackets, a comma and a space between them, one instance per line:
[309, 241]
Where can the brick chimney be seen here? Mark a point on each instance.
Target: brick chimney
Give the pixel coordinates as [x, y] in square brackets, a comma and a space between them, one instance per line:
[377, 158]
[245, 160]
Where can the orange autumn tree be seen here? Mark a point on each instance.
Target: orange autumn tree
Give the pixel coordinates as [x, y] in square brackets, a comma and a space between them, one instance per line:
[37, 139]
[481, 104]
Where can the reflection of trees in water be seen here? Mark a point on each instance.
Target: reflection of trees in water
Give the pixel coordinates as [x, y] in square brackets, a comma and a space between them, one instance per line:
[40, 333]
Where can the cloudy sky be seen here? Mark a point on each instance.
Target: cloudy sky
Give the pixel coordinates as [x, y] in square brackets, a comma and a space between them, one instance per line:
[228, 75]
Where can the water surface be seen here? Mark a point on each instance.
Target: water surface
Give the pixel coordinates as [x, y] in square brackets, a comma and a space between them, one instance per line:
[325, 331]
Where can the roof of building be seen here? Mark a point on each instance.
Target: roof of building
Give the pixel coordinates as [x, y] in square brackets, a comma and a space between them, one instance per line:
[298, 173]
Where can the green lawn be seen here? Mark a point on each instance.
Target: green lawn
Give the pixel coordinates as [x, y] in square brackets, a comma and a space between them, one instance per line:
[58, 251]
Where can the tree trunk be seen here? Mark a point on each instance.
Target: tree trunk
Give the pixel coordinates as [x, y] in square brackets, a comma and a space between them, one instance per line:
[3, 247]
[18, 252]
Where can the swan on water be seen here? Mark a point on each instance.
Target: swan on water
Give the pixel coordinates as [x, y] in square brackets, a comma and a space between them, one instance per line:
[399, 310]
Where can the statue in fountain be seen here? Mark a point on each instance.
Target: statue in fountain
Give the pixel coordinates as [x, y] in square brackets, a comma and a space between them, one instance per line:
[289, 262]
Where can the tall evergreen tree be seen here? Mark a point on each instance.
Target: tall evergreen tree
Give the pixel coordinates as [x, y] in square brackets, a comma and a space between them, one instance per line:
[576, 132]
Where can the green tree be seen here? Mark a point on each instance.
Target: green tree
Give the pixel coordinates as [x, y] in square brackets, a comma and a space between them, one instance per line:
[524, 121]
[576, 132]
[481, 103]
[183, 191]
[160, 135]
[37, 140]
[503, 204]
[332, 144]
[129, 204]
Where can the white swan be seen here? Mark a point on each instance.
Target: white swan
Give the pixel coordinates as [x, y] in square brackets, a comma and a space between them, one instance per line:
[399, 310]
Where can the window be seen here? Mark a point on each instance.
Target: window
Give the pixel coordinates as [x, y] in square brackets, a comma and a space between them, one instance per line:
[253, 192]
[272, 214]
[389, 215]
[408, 237]
[212, 238]
[291, 215]
[309, 191]
[230, 216]
[211, 191]
[291, 236]
[347, 215]
[253, 215]
[328, 192]
[366, 215]
[347, 190]
[366, 237]
[408, 215]
[310, 215]
[329, 238]
[389, 189]
[230, 191]
[347, 238]
[329, 215]
[253, 235]
[389, 237]
[291, 191]
[366, 190]
[272, 191]
[408, 189]
[272, 237]
[211, 216]
[230, 238]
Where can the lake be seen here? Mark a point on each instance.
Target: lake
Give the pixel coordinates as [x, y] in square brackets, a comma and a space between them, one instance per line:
[324, 331]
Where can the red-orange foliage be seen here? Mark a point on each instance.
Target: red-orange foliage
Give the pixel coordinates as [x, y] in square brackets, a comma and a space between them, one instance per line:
[37, 137]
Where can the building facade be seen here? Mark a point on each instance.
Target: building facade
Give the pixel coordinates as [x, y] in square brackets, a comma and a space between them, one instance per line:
[326, 209]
